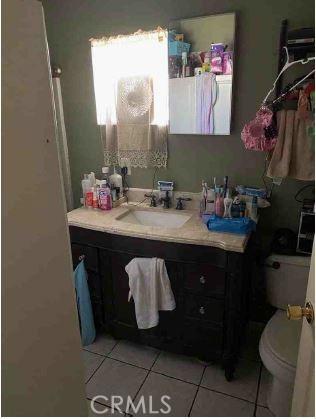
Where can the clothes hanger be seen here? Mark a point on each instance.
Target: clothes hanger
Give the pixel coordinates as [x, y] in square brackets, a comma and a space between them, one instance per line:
[287, 65]
[310, 78]
[293, 87]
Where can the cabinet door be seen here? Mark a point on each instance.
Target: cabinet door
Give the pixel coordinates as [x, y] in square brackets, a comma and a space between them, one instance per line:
[124, 319]
[204, 341]
[123, 311]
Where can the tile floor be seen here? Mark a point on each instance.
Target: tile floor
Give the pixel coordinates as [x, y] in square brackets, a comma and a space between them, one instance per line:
[196, 388]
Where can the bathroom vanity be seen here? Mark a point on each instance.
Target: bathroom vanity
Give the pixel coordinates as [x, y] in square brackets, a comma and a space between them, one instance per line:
[209, 275]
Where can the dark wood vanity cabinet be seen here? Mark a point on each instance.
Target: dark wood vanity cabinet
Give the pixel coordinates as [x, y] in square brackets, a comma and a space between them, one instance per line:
[210, 285]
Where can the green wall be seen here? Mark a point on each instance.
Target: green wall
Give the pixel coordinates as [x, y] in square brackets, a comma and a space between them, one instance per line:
[70, 24]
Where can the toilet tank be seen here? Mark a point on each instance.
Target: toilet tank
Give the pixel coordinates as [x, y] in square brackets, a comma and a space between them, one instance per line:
[287, 284]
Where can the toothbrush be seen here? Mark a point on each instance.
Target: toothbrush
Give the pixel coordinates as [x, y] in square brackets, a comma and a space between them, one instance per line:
[225, 185]
[205, 193]
[203, 198]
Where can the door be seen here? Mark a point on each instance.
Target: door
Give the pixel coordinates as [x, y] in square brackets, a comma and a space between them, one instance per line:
[42, 370]
[303, 403]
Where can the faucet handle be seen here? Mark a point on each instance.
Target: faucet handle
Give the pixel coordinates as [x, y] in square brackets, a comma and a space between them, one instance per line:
[180, 203]
[153, 199]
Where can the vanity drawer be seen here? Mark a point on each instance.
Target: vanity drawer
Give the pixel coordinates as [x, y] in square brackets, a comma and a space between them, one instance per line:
[204, 279]
[201, 341]
[90, 256]
[203, 308]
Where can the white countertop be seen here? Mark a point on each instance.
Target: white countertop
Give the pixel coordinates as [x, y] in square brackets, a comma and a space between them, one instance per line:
[192, 232]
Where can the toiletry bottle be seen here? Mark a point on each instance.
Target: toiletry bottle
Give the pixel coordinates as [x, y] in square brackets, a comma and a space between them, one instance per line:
[89, 198]
[113, 193]
[210, 201]
[206, 66]
[91, 177]
[219, 204]
[227, 205]
[105, 199]
[105, 172]
[85, 184]
[95, 202]
[236, 207]
[116, 182]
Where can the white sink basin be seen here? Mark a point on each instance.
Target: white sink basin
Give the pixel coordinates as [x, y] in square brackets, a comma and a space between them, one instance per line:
[154, 218]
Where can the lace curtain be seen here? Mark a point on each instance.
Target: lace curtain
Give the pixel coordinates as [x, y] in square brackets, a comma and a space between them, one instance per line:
[131, 90]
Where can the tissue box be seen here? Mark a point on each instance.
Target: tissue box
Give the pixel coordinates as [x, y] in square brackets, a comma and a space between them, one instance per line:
[242, 225]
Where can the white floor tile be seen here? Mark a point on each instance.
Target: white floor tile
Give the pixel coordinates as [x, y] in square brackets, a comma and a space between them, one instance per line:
[179, 366]
[211, 404]
[244, 385]
[102, 345]
[138, 355]
[115, 378]
[156, 385]
[91, 363]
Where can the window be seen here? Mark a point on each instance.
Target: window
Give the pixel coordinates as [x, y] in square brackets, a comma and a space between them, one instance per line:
[117, 58]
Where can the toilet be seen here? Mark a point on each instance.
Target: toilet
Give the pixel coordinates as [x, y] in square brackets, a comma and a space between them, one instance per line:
[286, 283]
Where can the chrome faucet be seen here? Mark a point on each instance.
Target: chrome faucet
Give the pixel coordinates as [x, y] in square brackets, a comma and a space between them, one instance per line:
[166, 200]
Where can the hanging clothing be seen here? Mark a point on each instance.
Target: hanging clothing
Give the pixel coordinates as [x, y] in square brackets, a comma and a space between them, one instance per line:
[206, 95]
[294, 154]
[260, 134]
[131, 89]
[151, 290]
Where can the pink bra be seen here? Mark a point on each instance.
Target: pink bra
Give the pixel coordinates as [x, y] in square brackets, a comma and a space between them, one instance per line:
[260, 134]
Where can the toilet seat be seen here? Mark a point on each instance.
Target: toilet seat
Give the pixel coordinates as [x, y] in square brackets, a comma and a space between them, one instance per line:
[279, 345]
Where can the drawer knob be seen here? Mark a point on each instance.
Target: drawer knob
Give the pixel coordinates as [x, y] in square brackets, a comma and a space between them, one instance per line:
[202, 279]
[202, 310]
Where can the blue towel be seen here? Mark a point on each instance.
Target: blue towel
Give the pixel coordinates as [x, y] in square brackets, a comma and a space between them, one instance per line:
[84, 305]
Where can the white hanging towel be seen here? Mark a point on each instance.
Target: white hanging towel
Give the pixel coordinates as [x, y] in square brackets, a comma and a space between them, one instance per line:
[151, 290]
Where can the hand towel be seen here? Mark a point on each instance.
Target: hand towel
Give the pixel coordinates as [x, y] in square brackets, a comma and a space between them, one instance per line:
[294, 153]
[87, 327]
[151, 290]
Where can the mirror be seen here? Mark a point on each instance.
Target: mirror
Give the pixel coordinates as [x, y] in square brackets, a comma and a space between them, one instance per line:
[201, 54]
